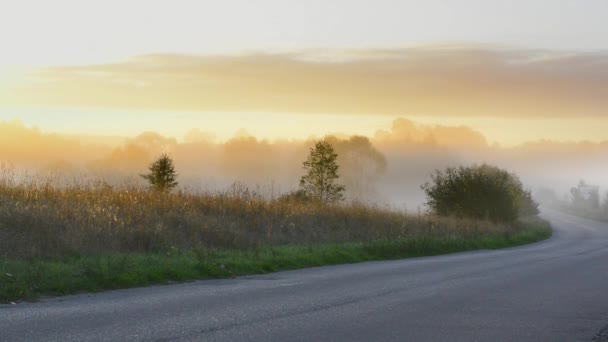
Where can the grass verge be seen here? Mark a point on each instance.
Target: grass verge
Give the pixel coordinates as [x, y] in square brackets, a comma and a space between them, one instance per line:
[28, 279]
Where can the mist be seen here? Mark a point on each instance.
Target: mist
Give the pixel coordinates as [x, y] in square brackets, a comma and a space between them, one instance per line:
[386, 168]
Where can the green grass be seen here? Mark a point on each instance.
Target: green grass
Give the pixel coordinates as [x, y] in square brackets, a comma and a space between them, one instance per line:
[28, 279]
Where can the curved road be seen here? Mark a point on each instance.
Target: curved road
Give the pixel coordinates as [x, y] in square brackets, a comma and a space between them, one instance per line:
[556, 290]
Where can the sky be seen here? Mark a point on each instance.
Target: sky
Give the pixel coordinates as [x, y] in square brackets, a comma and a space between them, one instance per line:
[514, 70]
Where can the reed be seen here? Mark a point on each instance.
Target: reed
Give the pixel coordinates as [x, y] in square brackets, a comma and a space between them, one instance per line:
[45, 217]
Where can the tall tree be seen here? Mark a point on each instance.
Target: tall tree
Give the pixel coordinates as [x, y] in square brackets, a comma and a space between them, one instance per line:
[162, 176]
[319, 181]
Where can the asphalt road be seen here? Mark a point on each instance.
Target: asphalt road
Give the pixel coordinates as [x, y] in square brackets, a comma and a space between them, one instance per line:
[556, 290]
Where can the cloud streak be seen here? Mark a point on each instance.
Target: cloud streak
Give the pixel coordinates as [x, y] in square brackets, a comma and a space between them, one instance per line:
[431, 81]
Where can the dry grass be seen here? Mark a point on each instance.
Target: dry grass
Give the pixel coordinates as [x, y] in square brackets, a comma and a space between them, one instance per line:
[42, 217]
[59, 237]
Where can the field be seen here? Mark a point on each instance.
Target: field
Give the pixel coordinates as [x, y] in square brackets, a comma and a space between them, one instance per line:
[89, 236]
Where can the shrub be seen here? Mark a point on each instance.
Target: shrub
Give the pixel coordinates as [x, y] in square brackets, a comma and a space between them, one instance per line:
[479, 192]
[528, 207]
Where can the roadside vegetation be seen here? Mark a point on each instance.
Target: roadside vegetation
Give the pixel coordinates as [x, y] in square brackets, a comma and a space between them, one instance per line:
[479, 192]
[60, 239]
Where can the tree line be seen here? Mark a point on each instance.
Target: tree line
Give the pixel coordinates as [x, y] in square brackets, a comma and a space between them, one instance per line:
[480, 191]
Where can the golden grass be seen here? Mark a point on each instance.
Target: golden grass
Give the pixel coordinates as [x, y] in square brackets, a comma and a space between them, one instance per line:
[44, 217]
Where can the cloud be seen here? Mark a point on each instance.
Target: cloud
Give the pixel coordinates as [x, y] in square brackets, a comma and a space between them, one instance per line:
[441, 81]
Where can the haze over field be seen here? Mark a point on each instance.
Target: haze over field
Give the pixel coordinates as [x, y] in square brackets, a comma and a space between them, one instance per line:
[386, 167]
[237, 91]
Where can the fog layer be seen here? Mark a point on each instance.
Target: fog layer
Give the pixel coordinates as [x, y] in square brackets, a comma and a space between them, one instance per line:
[386, 168]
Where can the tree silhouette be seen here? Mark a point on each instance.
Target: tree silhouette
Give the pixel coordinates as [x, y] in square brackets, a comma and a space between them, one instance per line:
[162, 174]
[319, 181]
[360, 162]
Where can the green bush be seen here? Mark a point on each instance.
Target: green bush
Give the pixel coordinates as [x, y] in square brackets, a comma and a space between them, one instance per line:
[479, 192]
[528, 206]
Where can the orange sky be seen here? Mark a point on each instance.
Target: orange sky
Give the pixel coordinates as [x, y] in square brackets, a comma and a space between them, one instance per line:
[291, 69]
[511, 96]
